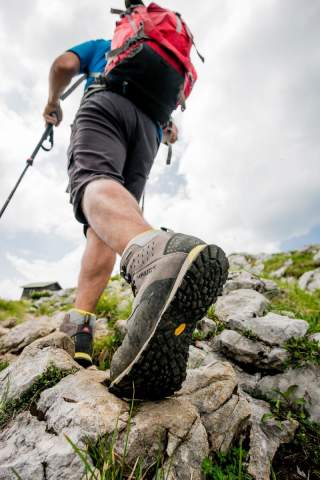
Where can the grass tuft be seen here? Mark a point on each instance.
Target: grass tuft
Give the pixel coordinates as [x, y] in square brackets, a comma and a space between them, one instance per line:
[9, 408]
[303, 305]
[230, 466]
[104, 348]
[302, 351]
[13, 308]
[303, 452]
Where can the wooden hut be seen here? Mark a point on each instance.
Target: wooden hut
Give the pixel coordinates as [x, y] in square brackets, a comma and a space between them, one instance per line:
[29, 289]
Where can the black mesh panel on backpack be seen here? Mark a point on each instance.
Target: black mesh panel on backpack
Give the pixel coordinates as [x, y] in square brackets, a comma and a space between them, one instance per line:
[149, 82]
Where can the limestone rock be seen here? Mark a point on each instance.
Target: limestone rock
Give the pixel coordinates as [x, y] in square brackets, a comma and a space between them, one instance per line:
[3, 331]
[199, 357]
[310, 281]
[209, 387]
[307, 380]
[122, 327]
[272, 329]
[243, 279]
[241, 303]
[34, 362]
[282, 270]
[226, 423]
[188, 456]
[315, 337]
[169, 427]
[35, 454]
[25, 333]
[81, 407]
[271, 289]
[9, 322]
[207, 326]
[250, 352]
[265, 438]
[316, 258]
[238, 261]
[102, 329]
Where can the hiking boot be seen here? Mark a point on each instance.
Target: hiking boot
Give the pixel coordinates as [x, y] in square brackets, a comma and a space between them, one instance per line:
[80, 326]
[175, 278]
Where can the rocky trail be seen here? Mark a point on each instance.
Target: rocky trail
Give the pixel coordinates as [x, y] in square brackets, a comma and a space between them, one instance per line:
[248, 409]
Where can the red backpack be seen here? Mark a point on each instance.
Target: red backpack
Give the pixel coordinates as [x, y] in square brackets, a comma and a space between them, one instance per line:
[150, 60]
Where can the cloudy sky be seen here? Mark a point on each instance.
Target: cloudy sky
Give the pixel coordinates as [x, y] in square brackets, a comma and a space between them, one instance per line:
[245, 172]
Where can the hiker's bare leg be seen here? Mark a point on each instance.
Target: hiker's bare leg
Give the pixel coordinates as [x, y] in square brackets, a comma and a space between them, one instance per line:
[96, 268]
[113, 213]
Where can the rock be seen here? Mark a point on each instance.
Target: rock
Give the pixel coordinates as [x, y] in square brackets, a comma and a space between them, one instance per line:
[243, 302]
[209, 387]
[82, 408]
[243, 279]
[3, 331]
[315, 337]
[224, 425]
[271, 289]
[25, 333]
[207, 326]
[265, 438]
[199, 357]
[56, 340]
[307, 380]
[238, 262]
[34, 362]
[188, 456]
[122, 327]
[102, 329]
[272, 329]
[310, 281]
[282, 270]
[8, 358]
[247, 382]
[9, 322]
[250, 352]
[36, 454]
[170, 427]
[316, 259]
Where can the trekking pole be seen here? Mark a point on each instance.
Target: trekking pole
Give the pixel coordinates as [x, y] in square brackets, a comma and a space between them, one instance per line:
[47, 134]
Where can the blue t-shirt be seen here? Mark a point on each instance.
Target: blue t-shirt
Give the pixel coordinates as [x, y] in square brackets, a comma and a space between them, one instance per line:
[92, 56]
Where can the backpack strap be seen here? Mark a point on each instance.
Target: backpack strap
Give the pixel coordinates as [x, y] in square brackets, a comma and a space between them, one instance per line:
[140, 35]
[190, 35]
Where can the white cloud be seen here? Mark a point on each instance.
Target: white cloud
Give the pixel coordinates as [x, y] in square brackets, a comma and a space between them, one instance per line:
[249, 150]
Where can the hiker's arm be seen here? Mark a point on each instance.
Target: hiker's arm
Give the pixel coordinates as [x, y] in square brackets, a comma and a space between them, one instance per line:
[170, 134]
[63, 69]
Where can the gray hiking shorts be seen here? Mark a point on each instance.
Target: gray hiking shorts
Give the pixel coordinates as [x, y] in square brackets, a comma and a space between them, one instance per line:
[111, 138]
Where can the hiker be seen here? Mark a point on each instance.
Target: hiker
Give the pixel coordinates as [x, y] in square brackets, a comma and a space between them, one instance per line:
[115, 138]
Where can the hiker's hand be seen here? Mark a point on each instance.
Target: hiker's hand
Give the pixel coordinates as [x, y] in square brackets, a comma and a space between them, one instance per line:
[170, 134]
[53, 114]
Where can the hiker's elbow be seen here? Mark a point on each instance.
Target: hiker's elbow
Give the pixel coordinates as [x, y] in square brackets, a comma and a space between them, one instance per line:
[66, 64]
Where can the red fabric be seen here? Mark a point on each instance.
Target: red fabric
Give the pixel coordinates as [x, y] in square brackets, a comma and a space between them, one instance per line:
[160, 25]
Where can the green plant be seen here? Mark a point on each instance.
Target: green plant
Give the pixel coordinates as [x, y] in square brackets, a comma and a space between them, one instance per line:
[212, 315]
[230, 466]
[104, 348]
[301, 262]
[109, 307]
[13, 308]
[304, 451]
[41, 294]
[3, 365]
[9, 408]
[302, 351]
[250, 335]
[302, 304]
[102, 462]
